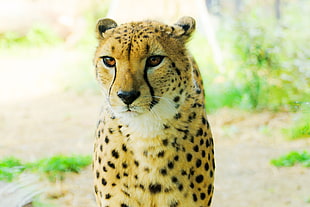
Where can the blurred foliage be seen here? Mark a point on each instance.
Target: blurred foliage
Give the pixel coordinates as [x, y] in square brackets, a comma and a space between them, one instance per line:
[300, 128]
[38, 36]
[293, 158]
[10, 167]
[54, 167]
[266, 62]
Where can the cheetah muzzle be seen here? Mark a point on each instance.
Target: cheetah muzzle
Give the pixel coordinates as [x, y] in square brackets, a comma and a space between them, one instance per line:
[154, 146]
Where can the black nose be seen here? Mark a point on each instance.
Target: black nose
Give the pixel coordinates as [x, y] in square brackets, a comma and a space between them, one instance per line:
[128, 96]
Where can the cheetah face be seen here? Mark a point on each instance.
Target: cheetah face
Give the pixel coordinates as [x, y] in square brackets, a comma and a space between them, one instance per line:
[143, 67]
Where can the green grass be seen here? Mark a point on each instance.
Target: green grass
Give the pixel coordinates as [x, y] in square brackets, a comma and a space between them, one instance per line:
[55, 168]
[300, 129]
[10, 167]
[292, 159]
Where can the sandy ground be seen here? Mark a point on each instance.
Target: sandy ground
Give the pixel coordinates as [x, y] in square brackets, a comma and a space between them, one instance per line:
[45, 121]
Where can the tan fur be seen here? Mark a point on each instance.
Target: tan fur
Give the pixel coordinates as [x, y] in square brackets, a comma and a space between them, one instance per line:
[158, 150]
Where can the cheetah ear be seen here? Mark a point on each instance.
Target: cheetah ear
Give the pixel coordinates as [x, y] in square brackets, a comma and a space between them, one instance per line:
[103, 25]
[184, 27]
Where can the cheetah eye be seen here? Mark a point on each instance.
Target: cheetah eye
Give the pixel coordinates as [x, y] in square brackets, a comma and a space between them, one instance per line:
[153, 61]
[108, 61]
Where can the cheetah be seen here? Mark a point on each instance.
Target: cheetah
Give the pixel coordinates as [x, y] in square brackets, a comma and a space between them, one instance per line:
[153, 145]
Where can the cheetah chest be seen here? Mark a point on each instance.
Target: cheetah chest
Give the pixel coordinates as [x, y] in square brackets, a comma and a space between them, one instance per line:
[173, 169]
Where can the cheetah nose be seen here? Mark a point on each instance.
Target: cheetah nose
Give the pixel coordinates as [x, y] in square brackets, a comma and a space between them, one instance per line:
[128, 96]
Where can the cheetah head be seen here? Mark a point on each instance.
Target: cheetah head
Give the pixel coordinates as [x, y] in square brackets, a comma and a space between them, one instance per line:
[143, 67]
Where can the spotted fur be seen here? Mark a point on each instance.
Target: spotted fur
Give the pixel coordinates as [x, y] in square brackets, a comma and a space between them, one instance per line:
[153, 146]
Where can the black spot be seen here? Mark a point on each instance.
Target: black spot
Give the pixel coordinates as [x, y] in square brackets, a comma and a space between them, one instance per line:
[180, 187]
[203, 153]
[192, 185]
[165, 142]
[124, 205]
[101, 148]
[203, 120]
[155, 188]
[199, 132]
[173, 64]
[189, 157]
[125, 174]
[192, 139]
[107, 196]
[207, 143]
[176, 158]
[202, 196]
[163, 171]
[177, 116]
[170, 165]
[185, 131]
[118, 176]
[166, 126]
[210, 189]
[104, 169]
[161, 154]
[211, 173]
[176, 99]
[174, 179]
[183, 172]
[136, 163]
[115, 154]
[111, 165]
[141, 186]
[196, 148]
[194, 197]
[198, 163]
[201, 141]
[124, 164]
[124, 148]
[106, 140]
[178, 71]
[199, 178]
[192, 171]
[111, 130]
[127, 194]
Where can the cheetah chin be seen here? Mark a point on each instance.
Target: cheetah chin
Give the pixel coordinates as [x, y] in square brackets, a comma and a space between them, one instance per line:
[147, 124]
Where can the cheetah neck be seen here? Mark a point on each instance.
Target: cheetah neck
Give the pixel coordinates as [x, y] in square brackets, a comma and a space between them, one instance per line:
[148, 125]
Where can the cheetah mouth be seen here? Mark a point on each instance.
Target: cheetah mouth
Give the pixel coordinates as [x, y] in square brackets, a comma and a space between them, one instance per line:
[130, 110]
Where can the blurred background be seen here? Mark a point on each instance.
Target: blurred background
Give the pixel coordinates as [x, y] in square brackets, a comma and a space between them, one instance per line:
[254, 58]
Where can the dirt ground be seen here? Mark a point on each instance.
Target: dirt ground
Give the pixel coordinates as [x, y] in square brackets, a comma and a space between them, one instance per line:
[46, 121]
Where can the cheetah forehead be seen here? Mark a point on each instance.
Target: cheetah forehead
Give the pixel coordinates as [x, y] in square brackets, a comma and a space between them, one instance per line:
[143, 37]
[136, 39]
